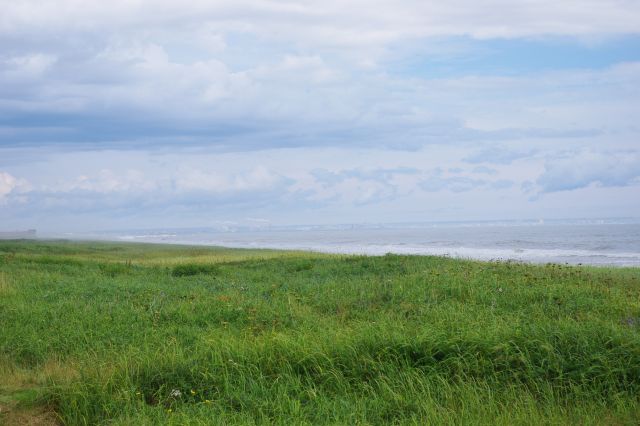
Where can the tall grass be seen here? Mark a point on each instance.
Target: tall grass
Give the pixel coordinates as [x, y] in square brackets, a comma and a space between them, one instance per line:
[181, 335]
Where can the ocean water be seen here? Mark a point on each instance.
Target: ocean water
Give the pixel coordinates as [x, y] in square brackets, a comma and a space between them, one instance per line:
[599, 243]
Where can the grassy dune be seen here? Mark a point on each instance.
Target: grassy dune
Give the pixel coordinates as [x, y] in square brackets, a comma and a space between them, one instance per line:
[101, 333]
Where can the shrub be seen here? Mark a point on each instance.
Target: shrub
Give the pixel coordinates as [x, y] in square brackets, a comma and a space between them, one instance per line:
[189, 269]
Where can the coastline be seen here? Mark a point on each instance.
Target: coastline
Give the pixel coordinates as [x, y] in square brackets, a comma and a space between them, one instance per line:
[528, 256]
[597, 244]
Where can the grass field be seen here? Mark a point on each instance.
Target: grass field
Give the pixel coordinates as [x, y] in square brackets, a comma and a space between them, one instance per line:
[127, 334]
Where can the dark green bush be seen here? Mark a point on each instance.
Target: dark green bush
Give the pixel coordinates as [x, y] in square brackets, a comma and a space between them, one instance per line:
[189, 269]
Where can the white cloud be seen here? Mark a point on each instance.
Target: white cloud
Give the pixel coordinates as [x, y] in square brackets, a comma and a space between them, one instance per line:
[306, 185]
[150, 79]
[257, 179]
[28, 66]
[106, 181]
[7, 183]
[10, 184]
[312, 68]
[168, 183]
[345, 187]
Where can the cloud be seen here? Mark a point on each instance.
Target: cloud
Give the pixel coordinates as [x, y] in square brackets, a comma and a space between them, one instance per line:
[10, 185]
[182, 181]
[484, 170]
[258, 179]
[495, 155]
[104, 182]
[455, 184]
[360, 186]
[7, 183]
[436, 180]
[332, 22]
[136, 192]
[502, 184]
[581, 169]
[254, 74]
[27, 66]
[379, 174]
[128, 189]
[213, 107]
[154, 101]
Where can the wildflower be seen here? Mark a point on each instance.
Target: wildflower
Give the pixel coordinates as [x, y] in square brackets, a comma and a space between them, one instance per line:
[193, 392]
[175, 393]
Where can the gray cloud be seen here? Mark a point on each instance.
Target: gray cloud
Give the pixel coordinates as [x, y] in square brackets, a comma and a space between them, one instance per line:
[581, 169]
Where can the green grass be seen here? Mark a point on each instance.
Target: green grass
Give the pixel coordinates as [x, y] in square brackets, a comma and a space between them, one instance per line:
[121, 334]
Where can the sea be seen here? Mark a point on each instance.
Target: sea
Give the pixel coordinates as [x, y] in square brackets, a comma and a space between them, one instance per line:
[604, 242]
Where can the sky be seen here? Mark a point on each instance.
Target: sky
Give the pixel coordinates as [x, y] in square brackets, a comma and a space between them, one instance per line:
[134, 114]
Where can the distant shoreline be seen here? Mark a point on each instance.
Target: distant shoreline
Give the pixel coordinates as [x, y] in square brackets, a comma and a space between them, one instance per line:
[460, 253]
[588, 244]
